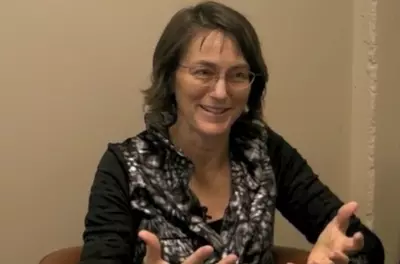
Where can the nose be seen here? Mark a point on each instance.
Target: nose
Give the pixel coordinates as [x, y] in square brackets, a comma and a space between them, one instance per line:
[220, 89]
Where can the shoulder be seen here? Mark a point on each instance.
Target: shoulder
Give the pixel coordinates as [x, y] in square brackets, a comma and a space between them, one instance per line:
[142, 159]
[138, 148]
[267, 137]
[124, 159]
[117, 152]
[255, 152]
[272, 148]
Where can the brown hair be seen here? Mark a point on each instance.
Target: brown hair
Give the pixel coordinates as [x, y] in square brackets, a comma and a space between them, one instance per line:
[175, 38]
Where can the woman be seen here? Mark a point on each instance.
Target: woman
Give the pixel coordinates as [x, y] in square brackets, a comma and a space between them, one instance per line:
[202, 182]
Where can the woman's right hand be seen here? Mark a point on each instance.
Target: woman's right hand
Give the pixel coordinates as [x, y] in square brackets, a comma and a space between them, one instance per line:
[153, 252]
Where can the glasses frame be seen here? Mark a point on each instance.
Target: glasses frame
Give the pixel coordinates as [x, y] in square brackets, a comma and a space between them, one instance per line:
[218, 76]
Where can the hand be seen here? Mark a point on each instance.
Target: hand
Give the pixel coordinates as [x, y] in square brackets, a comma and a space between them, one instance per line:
[333, 246]
[153, 252]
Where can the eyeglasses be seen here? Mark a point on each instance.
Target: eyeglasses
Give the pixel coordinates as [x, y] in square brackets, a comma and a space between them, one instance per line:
[236, 78]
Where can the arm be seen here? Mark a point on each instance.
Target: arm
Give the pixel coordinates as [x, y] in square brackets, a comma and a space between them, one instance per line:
[307, 203]
[110, 226]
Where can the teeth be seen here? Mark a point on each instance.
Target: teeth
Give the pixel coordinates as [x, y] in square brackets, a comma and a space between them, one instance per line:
[213, 110]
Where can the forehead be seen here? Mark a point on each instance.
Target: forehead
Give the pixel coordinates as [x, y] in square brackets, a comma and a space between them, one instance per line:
[213, 46]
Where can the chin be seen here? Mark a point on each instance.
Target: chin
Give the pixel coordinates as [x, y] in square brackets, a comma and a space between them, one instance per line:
[213, 129]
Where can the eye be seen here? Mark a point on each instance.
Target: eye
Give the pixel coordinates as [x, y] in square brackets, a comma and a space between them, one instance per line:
[203, 72]
[239, 76]
[243, 75]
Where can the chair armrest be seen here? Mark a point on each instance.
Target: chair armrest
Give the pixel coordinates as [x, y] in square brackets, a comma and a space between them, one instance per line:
[69, 255]
[284, 255]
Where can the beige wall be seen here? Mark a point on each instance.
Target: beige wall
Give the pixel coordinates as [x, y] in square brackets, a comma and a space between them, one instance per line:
[387, 194]
[70, 75]
[374, 134]
[309, 54]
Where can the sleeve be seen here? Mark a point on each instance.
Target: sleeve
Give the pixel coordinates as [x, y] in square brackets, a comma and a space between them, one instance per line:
[310, 205]
[110, 224]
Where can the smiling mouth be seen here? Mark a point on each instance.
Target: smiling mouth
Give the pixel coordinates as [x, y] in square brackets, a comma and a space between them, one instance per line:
[214, 110]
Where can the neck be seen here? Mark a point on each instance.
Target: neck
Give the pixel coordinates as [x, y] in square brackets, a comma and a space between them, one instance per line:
[206, 153]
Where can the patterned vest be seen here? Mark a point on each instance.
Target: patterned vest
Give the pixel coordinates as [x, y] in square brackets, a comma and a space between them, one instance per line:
[159, 178]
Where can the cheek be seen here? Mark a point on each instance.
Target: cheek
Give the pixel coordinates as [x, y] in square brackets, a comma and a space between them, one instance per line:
[187, 95]
[240, 99]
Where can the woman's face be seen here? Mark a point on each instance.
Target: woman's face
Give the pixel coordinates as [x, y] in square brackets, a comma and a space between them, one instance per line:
[212, 84]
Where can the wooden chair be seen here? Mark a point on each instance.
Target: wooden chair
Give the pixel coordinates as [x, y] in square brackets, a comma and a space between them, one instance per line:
[68, 255]
[71, 255]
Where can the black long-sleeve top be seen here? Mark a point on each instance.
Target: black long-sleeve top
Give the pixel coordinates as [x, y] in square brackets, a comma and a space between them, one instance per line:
[119, 192]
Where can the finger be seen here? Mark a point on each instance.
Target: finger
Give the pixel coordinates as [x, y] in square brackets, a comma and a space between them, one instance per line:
[153, 246]
[339, 257]
[199, 256]
[358, 241]
[354, 243]
[343, 216]
[322, 261]
[230, 259]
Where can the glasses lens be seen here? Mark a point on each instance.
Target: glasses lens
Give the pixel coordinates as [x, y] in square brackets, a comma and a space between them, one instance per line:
[243, 82]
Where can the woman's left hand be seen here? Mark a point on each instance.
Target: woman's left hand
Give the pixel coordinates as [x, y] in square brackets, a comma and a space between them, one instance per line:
[333, 245]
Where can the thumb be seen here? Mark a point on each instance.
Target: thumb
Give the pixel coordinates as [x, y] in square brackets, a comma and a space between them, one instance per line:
[344, 214]
[153, 246]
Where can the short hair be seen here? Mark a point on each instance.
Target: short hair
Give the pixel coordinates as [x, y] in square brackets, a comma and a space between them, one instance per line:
[174, 41]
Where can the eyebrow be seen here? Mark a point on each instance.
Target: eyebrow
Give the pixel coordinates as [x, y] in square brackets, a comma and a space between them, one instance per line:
[214, 65]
